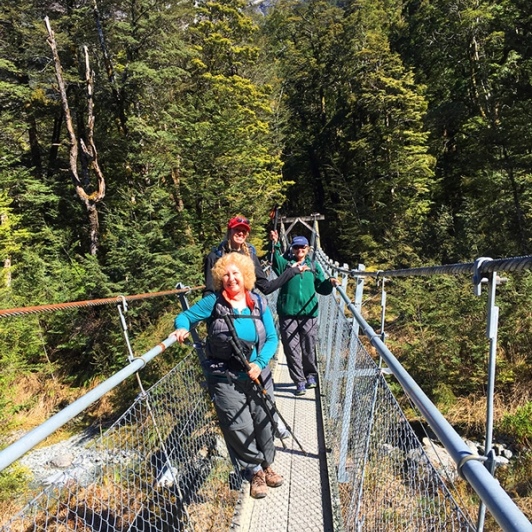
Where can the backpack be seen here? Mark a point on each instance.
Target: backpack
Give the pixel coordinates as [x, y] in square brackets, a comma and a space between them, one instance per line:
[218, 344]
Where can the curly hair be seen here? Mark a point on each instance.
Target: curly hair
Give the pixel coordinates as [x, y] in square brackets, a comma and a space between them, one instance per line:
[242, 262]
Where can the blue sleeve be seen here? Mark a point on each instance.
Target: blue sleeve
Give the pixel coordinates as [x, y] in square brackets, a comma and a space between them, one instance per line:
[272, 341]
[196, 313]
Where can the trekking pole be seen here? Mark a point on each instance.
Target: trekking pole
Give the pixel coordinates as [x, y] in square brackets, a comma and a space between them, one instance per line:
[274, 216]
[235, 343]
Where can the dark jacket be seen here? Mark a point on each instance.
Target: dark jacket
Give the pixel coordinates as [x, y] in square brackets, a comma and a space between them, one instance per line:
[298, 297]
[262, 283]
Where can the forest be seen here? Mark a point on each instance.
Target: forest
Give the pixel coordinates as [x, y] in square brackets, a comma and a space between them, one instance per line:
[132, 130]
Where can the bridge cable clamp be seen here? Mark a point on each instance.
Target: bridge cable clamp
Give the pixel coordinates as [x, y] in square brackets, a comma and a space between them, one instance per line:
[466, 459]
[122, 304]
[372, 337]
[185, 288]
[477, 277]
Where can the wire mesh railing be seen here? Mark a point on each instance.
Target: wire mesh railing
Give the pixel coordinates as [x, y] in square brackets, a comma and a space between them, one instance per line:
[385, 479]
[162, 466]
[345, 373]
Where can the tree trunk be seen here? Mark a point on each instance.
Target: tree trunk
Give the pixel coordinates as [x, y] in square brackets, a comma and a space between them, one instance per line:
[89, 155]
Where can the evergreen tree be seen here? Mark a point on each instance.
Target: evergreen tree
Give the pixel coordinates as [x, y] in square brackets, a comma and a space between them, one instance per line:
[184, 138]
[229, 154]
[356, 133]
[474, 58]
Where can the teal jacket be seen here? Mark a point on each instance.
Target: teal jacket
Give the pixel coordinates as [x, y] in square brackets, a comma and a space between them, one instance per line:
[298, 297]
[245, 328]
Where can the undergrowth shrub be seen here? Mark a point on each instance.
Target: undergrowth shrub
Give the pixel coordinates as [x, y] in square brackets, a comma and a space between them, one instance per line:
[519, 425]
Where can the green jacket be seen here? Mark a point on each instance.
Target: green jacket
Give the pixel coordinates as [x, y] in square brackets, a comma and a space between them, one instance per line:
[298, 297]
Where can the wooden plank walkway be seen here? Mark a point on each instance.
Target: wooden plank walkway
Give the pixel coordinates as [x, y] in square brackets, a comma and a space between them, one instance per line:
[303, 502]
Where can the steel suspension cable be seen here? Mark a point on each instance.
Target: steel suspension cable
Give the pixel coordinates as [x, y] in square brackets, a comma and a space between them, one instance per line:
[92, 302]
[482, 266]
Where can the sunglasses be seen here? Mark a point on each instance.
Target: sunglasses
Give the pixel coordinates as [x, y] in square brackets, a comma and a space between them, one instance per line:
[299, 247]
[242, 221]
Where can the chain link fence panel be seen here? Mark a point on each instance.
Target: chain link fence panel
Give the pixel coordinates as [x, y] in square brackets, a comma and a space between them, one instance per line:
[162, 466]
[385, 480]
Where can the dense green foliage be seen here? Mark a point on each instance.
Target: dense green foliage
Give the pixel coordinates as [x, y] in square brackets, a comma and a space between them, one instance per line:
[404, 122]
[520, 424]
[182, 126]
[355, 145]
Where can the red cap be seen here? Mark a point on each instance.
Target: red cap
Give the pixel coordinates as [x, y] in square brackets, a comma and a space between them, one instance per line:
[239, 221]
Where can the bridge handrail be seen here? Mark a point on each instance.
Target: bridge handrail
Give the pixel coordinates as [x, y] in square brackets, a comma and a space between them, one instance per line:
[17, 449]
[502, 507]
[481, 266]
[14, 451]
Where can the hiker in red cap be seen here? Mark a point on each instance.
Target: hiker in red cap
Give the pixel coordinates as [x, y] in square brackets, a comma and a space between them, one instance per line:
[238, 229]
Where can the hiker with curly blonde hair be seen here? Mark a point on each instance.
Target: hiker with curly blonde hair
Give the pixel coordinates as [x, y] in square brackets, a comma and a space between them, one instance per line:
[246, 422]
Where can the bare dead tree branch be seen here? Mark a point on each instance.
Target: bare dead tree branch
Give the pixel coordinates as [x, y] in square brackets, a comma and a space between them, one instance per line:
[88, 161]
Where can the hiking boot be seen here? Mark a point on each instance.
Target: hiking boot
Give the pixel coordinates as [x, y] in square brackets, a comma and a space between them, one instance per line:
[301, 389]
[258, 489]
[273, 479]
[311, 382]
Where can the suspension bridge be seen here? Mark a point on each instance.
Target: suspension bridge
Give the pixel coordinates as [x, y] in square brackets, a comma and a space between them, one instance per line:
[354, 463]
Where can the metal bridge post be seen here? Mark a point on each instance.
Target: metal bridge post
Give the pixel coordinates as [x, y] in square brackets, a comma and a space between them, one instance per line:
[122, 304]
[492, 329]
[383, 308]
[122, 309]
[350, 381]
[329, 346]
[359, 292]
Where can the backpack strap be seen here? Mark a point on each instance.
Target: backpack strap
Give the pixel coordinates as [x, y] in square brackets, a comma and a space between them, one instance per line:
[219, 250]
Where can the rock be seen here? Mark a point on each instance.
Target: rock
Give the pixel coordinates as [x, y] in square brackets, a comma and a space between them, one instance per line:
[507, 453]
[498, 448]
[442, 462]
[167, 477]
[62, 460]
[221, 447]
